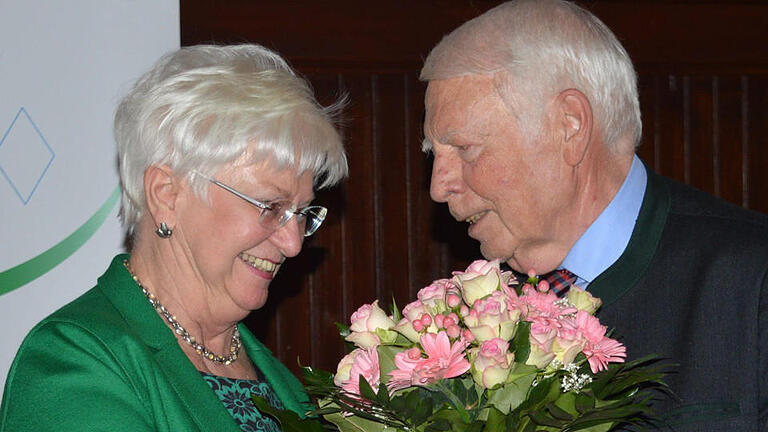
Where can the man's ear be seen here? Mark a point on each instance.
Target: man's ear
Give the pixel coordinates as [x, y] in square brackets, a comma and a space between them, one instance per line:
[575, 121]
[161, 191]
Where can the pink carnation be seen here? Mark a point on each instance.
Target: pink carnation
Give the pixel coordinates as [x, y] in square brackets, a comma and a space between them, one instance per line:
[443, 361]
[365, 363]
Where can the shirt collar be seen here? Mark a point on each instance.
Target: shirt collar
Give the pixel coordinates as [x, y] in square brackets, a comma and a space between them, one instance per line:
[605, 240]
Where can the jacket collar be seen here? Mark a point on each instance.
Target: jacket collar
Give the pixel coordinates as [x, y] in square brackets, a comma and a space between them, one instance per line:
[633, 263]
[202, 404]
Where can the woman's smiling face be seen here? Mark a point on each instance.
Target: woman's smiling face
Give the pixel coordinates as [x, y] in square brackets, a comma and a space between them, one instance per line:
[229, 250]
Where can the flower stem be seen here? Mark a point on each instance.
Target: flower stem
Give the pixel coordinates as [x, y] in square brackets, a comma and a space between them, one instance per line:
[454, 400]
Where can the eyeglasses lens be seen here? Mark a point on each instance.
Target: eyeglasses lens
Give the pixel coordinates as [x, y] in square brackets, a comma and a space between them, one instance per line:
[279, 213]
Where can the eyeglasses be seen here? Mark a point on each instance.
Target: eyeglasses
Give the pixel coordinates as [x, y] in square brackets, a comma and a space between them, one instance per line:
[275, 214]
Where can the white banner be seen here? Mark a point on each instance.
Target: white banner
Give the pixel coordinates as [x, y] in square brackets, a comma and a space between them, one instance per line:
[63, 68]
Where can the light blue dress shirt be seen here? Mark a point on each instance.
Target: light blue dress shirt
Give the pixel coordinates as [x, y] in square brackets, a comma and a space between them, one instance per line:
[605, 240]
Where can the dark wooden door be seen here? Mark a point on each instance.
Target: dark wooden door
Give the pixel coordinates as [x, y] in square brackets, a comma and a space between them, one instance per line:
[704, 95]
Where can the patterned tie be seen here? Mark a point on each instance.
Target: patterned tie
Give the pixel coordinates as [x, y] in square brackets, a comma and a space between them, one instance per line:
[560, 281]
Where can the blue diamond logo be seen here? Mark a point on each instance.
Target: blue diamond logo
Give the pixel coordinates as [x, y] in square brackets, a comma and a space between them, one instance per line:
[25, 156]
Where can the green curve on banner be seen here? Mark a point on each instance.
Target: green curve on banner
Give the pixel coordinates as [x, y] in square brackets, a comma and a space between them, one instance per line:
[32, 269]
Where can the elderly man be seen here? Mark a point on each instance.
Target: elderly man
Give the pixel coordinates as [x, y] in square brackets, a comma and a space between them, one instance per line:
[532, 116]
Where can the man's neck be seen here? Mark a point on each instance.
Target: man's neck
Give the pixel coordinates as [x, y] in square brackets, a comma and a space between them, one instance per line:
[605, 239]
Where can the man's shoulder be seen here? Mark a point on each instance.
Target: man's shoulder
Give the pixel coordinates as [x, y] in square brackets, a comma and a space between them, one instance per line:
[690, 203]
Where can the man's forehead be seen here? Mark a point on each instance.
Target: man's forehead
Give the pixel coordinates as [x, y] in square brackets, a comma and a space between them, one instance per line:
[458, 107]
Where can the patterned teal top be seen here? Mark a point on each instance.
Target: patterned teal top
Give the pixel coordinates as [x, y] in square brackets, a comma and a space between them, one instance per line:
[235, 394]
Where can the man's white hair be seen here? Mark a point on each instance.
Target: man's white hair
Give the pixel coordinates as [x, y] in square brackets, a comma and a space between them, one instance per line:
[203, 107]
[537, 48]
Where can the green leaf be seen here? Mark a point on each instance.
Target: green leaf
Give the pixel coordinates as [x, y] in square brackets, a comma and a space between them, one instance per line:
[343, 330]
[383, 394]
[545, 391]
[521, 342]
[289, 420]
[626, 413]
[567, 402]
[474, 427]
[411, 402]
[365, 389]
[398, 403]
[584, 402]
[542, 419]
[510, 396]
[558, 413]
[605, 427]
[438, 425]
[355, 424]
[317, 377]
[422, 412]
[445, 388]
[396, 315]
[496, 422]
[387, 360]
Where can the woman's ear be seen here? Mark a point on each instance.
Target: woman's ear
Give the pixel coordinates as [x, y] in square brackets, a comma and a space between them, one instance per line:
[161, 191]
[575, 120]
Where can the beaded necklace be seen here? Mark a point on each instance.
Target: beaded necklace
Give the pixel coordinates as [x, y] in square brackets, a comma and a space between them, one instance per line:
[181, 332]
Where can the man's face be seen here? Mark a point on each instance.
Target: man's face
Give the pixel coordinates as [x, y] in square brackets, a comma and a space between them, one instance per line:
[507, 186]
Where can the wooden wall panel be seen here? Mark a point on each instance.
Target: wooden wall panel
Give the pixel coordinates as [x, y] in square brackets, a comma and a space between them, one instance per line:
[729, 132]
[361, 218]
[704, 100]
[708, 131]
[756, 152]
[392, 252]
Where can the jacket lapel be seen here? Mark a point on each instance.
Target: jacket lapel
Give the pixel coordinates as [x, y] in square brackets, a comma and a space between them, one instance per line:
[274, 371]
[624, 274]
[202, 404]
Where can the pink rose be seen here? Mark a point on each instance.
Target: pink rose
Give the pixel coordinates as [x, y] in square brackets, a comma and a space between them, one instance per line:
[480, 279]
[370, 317]
[490, 318]
[583, 300]
[366, 321]
[491, 363]
[414, 312]
[433, 296]
[541, 340]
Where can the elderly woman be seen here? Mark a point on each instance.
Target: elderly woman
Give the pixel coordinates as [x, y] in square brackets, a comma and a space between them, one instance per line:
[219, 152]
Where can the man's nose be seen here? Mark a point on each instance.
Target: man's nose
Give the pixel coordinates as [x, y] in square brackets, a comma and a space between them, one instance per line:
[446, 177]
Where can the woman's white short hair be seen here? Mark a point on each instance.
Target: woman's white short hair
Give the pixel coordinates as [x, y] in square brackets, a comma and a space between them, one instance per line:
[538, 48]
[202, 107]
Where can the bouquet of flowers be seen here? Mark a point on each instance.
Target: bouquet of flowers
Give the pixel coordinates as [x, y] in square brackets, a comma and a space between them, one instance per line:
[482, 352]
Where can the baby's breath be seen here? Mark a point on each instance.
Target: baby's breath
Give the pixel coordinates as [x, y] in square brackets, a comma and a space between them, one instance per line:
[572, 380]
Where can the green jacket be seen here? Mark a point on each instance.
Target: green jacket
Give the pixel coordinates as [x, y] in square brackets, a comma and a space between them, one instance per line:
[107, 362]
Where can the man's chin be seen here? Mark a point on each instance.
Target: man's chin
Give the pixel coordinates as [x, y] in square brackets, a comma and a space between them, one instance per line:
[491, 254]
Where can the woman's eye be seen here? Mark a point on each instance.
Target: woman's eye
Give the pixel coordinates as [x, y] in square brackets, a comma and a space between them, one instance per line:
[278, 206]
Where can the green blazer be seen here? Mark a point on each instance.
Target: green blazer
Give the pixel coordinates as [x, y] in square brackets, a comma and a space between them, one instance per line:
[107, 362]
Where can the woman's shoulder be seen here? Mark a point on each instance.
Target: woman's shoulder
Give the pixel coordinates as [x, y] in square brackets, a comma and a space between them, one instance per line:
[93, 314]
